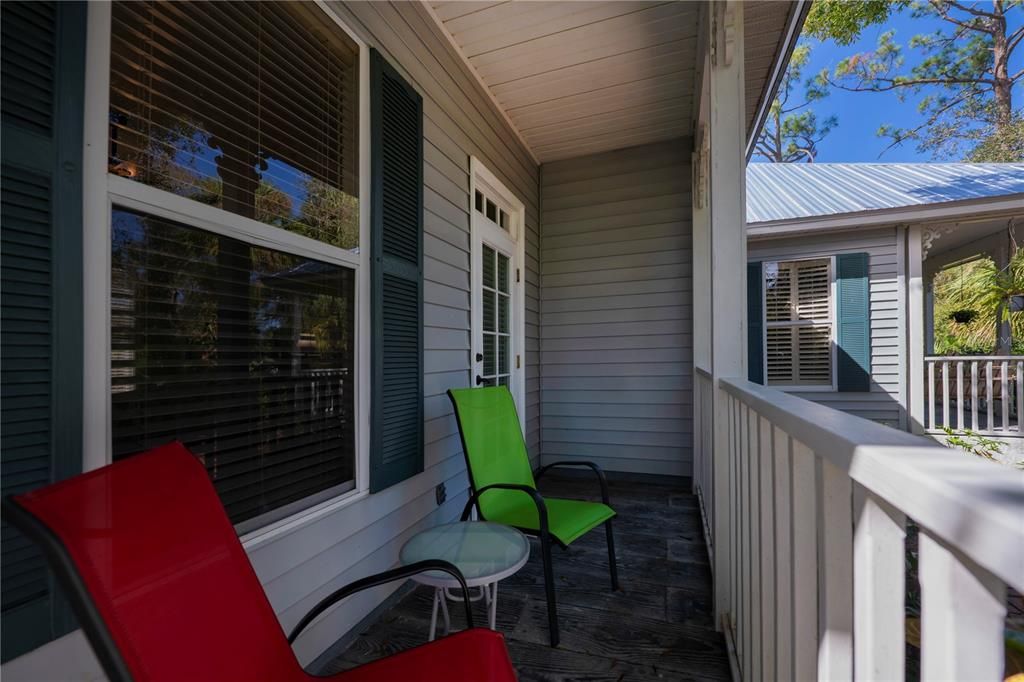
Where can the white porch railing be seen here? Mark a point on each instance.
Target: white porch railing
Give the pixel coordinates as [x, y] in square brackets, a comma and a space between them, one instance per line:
[983, 394]
[809, 556]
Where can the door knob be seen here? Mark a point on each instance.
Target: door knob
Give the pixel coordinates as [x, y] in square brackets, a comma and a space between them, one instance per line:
[479, 380]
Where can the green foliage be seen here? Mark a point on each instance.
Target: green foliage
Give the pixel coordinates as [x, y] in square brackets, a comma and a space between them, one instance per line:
[792, 130]
[842, 21]
[1001, 146]
[979, 286]
[960, 76]
[973, 442]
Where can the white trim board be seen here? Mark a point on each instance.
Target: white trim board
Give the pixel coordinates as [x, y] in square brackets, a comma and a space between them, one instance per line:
[949, 211]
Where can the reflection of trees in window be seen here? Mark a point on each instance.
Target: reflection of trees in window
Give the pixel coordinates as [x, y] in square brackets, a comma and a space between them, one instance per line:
[250, 107]
[243, 353]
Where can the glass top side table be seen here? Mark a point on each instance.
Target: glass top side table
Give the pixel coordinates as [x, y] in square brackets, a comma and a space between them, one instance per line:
[484, 552]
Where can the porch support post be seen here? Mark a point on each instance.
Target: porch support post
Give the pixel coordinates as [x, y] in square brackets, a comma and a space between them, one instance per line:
[728, 247]
[915, 328]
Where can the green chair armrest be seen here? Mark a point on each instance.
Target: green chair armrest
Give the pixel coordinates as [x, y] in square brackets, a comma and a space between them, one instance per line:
[542, 509]
[597, 470]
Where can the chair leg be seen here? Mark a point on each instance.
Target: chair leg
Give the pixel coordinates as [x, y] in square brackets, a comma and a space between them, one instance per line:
[549, 588]
[612, 567]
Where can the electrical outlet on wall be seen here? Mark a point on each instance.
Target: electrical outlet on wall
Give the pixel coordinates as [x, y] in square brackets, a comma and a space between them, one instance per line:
[440, 494]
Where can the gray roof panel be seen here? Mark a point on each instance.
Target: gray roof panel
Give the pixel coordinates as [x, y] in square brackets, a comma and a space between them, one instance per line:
[788, 191]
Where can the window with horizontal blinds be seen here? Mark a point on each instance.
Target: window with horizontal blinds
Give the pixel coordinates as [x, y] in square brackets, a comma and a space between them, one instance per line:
[251, 107]
[243, 353]
[798, 321]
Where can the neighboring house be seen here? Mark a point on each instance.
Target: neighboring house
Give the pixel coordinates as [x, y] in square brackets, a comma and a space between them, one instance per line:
[834, 250]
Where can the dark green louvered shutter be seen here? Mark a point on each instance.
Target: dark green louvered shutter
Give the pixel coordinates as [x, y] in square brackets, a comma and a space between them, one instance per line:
[43, 55]
[396, 120]
[755, 323]
[853, 334]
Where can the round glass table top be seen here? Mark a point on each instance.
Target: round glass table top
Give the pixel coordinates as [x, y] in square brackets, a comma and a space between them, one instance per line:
[484, 552]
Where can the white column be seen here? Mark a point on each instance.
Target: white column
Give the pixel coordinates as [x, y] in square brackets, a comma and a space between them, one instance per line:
[915, 329]
[726, 199]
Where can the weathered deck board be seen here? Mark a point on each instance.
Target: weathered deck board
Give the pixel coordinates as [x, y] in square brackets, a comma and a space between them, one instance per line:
[658, 628]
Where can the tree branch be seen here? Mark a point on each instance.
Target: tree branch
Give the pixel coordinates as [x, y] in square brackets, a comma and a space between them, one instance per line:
[965, 8]
[891, 84]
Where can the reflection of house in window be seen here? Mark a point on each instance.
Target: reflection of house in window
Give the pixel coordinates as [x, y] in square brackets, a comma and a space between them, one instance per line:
[257, 141]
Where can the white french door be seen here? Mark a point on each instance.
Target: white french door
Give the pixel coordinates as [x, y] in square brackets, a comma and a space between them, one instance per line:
[497, 286]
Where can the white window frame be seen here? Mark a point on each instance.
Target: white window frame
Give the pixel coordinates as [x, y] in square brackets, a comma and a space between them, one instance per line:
[802, 388]
[102, 191]
[481, 177]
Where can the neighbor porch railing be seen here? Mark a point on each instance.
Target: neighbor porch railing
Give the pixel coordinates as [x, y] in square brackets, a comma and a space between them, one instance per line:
[808, 545]
[980, 393]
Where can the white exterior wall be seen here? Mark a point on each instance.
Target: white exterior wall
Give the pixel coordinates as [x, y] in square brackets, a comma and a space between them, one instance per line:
[884, 403]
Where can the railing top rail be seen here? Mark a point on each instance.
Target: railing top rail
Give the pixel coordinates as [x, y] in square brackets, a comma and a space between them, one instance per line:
[702, 372]
[974, 505]
[932, 358]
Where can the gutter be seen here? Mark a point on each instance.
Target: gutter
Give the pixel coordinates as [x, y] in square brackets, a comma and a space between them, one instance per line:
[972, 209]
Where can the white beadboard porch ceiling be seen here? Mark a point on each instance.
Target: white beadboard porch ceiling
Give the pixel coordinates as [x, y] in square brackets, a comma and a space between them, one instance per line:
[577, 78]
[581, 77]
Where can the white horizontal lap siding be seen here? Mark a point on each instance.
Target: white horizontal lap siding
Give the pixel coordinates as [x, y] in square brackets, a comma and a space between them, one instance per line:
[882, 403]
[616, 323]
[300, 567]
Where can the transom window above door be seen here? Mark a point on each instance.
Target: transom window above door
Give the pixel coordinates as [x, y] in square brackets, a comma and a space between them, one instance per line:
[488, 208]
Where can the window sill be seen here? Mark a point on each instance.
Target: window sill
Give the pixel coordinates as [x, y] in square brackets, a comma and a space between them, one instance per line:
[286, 526]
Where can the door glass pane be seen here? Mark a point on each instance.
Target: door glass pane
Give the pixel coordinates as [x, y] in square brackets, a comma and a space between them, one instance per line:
[488, 313]
[488, 266]
[503, 367]
[489, 355]
[503, 313]
[503, 273]
[492, 211]
[503, 381]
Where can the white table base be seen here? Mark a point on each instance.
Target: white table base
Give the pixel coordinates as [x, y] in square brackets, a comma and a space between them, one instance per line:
[488, 592]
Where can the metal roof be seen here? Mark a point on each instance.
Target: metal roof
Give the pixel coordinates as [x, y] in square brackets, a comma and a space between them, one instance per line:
[789, 191]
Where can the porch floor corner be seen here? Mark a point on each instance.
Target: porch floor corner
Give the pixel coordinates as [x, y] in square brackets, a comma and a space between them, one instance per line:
[659, 627]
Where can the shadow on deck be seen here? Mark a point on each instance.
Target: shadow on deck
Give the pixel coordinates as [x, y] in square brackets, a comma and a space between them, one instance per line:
[658, 628]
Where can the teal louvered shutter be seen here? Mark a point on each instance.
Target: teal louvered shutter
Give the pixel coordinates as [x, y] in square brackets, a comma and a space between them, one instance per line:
[853, 316]
[396, 120]
[755, 323]
[43, 55]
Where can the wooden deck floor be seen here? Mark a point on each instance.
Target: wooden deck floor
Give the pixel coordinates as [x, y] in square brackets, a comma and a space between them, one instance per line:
[659, 627]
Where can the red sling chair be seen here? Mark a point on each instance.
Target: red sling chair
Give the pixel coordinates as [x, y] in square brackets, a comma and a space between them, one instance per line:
[164, 591]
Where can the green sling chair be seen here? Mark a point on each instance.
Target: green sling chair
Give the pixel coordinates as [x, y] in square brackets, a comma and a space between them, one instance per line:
[499, 466]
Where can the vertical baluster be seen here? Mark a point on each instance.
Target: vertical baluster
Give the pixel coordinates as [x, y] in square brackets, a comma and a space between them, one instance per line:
[974, 395]
[805, 564]
[963, 611]
[754, 567]
[1004, 394]
[959, 394]
[989, 423]
[1020, 396]
[783, 563]
[931, 394]
[737, 511]
[835, 655]
[878, 565]
[767, 568]
[744, 624]
[945, 393]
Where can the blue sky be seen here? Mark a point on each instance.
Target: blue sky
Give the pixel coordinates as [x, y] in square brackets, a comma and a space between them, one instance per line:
[861, 113]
